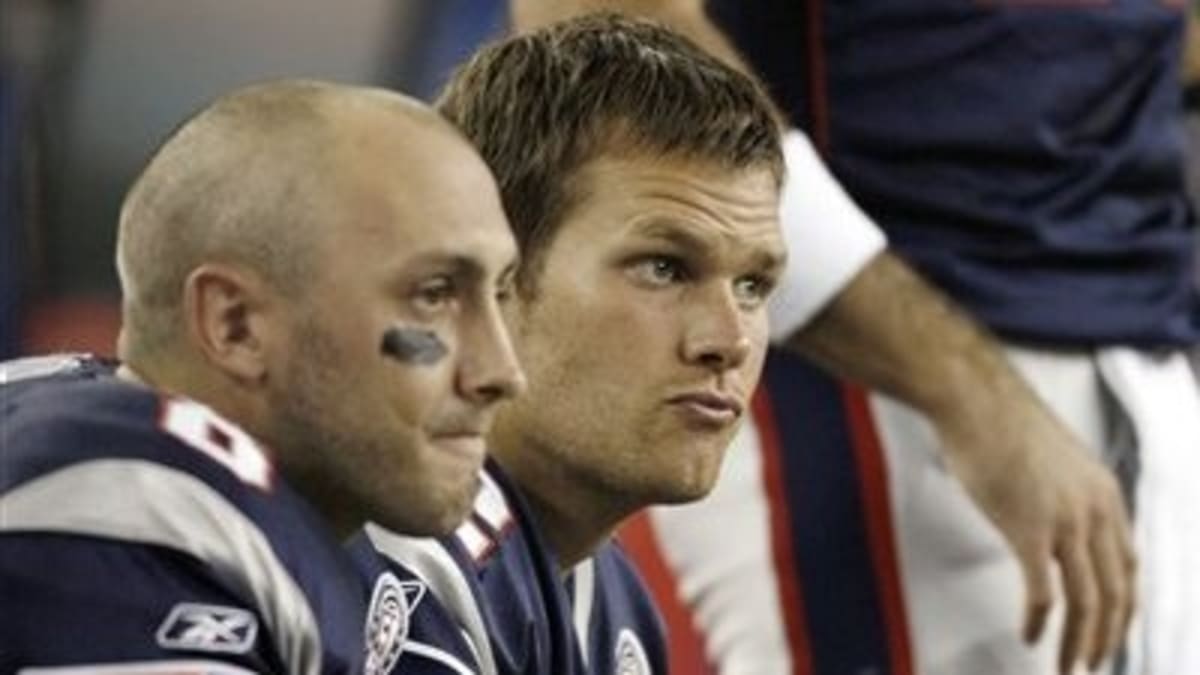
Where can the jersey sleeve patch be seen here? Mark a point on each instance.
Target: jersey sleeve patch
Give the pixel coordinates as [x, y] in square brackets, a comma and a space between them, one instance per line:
[208, 628]
[428, 560]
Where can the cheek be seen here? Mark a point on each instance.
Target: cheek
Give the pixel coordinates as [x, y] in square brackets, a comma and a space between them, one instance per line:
[407, 389]
[760, 341]
[415, 394]
[605, 339]
[372, 389]
[750, 371]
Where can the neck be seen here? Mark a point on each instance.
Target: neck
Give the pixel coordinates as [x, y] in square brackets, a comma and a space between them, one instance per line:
[574, 516]
[138, 375]
[337, 516]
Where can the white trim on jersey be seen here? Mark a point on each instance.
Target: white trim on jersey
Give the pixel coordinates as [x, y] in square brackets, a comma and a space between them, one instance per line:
[30, 367]
[491, 509]
[477, 542]
[582, 601]
[490, 505]
[829, 238]
[144, 502]
[434, 654]
[429, 561]
[175, 667]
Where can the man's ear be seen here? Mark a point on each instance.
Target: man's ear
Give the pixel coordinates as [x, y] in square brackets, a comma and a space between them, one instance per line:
[226, 308]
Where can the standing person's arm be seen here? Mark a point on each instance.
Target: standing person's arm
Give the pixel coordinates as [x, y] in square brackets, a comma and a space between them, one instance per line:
[871, 319]
[1191, 49]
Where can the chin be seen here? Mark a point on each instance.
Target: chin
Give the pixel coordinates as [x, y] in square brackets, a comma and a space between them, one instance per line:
[681, 488]
[444, 523]
[422, 524]
[436, 518]
[685, 494]
[693, 480]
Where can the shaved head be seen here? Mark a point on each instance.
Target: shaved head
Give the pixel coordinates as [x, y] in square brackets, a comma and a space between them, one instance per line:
[247, 180]
[272, 242]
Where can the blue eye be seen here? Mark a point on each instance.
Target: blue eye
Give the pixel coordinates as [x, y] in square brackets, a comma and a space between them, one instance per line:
[659, 270]
[752, 289]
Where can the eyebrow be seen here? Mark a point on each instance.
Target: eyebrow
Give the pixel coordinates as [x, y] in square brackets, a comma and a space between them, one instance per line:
[457, 265]
[509, 273]
[763, 258]
[460, 265]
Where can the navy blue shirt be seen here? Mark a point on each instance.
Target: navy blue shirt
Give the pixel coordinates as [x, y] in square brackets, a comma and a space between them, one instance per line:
[1026, 157]
[619, 628]
[141, 529]
[499, 582]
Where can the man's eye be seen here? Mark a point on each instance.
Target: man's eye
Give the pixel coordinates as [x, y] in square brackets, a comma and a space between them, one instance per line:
[752, 289]
[435, 294]
[659, 270]
[504, 292]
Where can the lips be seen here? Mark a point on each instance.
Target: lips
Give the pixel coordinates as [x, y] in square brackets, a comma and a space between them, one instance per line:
[707, 408]
[469, 445]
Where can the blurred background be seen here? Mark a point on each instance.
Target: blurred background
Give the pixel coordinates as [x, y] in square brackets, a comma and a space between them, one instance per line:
[88, 88]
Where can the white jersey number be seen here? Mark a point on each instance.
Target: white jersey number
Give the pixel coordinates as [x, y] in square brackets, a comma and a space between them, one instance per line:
[223, 441]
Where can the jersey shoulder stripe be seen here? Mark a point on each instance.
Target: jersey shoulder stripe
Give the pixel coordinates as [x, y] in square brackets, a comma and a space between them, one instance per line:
[89, 455]
[138, 501]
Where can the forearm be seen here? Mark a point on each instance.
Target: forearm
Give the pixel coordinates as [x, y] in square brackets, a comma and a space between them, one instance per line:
[891, 331]
[1191, 52]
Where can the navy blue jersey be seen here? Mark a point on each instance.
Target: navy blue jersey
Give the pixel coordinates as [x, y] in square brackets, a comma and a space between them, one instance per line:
[143, 532]
[618, 627]
[411, 630]
[499, 582]
[1026, 156]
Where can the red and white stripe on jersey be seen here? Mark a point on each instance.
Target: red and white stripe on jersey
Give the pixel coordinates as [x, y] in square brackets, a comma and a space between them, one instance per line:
[490, 520]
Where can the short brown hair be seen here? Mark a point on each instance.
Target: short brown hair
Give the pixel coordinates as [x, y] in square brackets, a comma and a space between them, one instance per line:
[541, 105]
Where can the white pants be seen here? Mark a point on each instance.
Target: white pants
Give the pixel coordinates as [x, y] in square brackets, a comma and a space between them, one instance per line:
[962, 588]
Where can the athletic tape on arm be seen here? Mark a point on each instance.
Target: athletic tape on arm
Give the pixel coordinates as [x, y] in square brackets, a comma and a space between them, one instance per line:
[828, 236]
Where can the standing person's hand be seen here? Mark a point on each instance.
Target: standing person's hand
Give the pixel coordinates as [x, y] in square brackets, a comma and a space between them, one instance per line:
[1041, 487]
[1052, 500]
